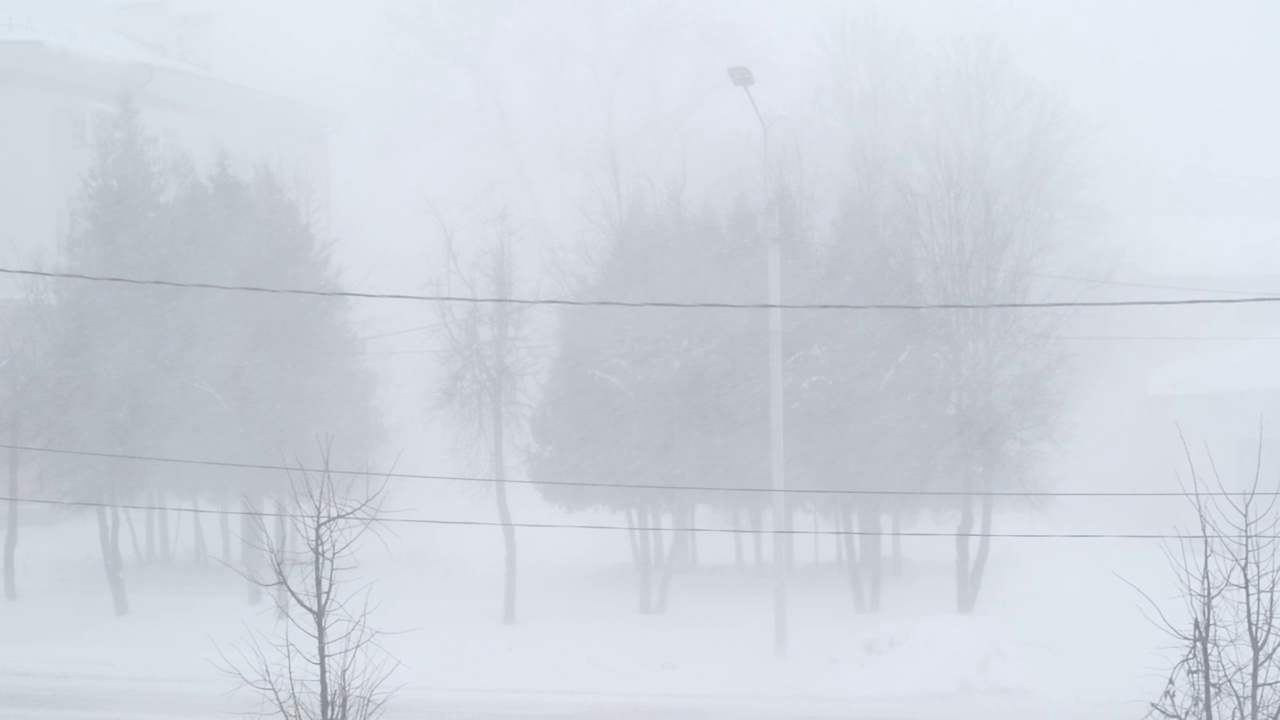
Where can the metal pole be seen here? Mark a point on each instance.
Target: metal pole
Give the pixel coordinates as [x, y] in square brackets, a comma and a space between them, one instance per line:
[776, 456]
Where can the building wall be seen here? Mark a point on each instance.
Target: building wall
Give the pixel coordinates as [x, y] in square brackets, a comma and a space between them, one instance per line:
[52, 100]
[40, 162]
[1228, 426]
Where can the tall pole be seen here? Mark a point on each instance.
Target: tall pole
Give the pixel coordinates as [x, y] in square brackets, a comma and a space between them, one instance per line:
[776, 455]
[11, 524]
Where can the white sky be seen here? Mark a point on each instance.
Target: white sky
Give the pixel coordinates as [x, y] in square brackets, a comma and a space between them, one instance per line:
[1175, 93]
[1179, 97]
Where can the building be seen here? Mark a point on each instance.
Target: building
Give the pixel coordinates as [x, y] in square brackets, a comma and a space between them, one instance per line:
[1210, 371]
[56, 81]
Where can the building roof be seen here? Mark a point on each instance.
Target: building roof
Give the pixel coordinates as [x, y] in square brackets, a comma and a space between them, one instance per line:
[1226, 246]
[1248, 368]
[1194, 350]
[88, 41]
[33, 48]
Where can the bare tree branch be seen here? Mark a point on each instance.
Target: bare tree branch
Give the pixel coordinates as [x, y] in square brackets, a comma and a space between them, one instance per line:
[337, 670]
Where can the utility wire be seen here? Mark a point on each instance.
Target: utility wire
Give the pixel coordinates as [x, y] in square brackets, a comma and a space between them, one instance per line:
[1172, 338]
[633, 486]
[640, 528]
[1099, 338]
[403, 331]
[1144, 285]
[1247, 300]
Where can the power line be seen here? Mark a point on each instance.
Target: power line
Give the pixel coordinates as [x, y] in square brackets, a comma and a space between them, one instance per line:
[634, 486]
[1046, 305]
[1074, 338]
[404, 331]
[382, 353]
[640, 528]
[1069, 338]
[1144, 285]
[1172, 338]
[1101, 281]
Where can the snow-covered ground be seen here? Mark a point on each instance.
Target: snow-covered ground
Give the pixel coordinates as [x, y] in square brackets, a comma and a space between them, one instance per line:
[1059, 635]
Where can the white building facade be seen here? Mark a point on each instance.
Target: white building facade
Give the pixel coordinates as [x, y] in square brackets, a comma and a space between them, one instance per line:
[57, 82]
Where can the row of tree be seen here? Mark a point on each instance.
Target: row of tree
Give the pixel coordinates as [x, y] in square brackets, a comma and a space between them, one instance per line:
[952, 195]
[133, 370]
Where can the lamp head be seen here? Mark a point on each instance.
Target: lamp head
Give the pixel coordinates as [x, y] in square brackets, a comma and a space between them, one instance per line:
[741, 77]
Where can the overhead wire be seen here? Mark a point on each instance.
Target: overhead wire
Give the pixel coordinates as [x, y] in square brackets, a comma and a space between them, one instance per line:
[402, 331]
[567, 302]
[392, 518]
[1143, 285]
[1073, 338]
[632, 486]
[1254, 299]
[1174, 338]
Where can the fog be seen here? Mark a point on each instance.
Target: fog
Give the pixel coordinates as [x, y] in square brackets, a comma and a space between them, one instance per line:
[638, 359]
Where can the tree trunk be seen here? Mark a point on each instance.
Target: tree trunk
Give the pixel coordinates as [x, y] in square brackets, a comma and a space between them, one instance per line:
[871, 557]
[322, 586]
[11, 531]
[224, 521]
[739, 557]
[840, 538]
[896, 541]
[817, 536]
[971, 565]
[119, 562]
[646, 553]
[964, 602]
[165, 550]
[979, 567]
[177, 533]
[250, 549]
[851, 559]
[504, 513]
[633, 536]
[679, 543]
[789, 538]
[133, 538]
[109, 540]
[757, 537]
[282, 554]
[199, 548]
[692, 537]
[679, 518]
[509, 541]
[149, 520]
[658, 552]
[1206, 630]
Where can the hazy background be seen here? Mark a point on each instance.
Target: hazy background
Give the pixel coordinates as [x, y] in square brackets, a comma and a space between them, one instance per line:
[452, 111]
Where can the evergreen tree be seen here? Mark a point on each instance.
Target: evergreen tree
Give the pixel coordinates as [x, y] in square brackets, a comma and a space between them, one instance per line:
[113, 344]
[658, 396]
[184, 372]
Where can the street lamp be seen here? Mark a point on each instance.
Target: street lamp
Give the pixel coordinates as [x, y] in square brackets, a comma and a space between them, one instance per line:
[743, 78]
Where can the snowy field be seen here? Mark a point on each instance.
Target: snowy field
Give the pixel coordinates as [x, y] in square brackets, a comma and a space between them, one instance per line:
[1058, 635]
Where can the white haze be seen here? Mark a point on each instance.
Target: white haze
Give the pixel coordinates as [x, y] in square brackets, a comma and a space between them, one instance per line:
[563, 117]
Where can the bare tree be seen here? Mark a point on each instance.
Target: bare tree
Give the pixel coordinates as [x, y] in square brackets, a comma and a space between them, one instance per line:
[1229, 584]
[11, 530]
[486, 361]
[11, 517]
[327, 662]
[985, 204]
[21, 367]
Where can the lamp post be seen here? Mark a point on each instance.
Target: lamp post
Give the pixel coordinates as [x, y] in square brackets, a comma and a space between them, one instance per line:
[743, 78]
